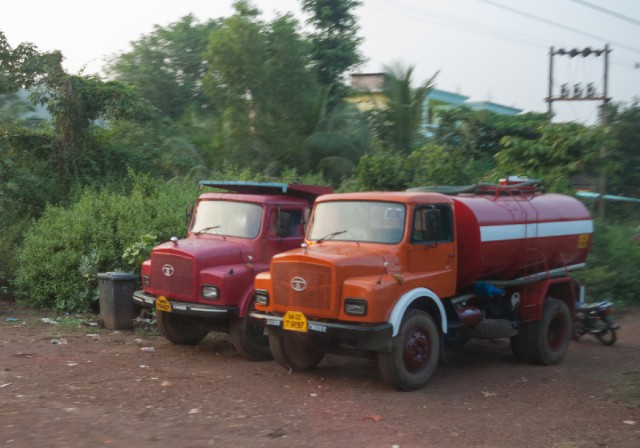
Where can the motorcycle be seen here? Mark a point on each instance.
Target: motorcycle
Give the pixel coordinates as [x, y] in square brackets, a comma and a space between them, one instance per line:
[595, 319]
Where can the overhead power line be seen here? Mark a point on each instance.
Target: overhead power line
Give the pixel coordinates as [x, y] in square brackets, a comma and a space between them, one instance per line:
[607, 11]
[556, 24]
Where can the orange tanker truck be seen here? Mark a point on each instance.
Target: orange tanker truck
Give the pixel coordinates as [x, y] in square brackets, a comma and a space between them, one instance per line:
[401, 276]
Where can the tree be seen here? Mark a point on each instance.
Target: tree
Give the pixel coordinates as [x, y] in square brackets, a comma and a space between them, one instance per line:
[335, 41]
[23, 66]
[398, 125]
[258, 76]
[624, 178]
[478, 133]
[562, 151]
[167, 66]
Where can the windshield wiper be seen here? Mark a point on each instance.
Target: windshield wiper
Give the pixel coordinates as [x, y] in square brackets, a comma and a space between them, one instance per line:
[331, 235]
[205, 229]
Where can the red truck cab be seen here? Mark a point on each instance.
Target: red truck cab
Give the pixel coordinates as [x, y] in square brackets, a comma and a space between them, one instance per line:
[205, 281]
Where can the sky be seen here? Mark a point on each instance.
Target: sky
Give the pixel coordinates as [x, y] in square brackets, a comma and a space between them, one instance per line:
[489, 50]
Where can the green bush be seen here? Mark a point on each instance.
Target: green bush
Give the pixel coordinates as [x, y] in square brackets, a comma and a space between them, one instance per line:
[66, 246]
[613, 266]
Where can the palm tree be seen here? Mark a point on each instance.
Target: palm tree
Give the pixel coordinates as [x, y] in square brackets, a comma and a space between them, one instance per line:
[399, 124]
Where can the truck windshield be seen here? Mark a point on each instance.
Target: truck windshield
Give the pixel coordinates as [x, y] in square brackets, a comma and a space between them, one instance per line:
[363, 221]
[227, 218]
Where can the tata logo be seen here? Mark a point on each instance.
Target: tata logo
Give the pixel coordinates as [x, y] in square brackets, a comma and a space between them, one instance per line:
[168, 270]
[298, 284]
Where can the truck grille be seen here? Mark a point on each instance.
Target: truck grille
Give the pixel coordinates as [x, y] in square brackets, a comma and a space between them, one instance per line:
[180, 283]
[315, 296]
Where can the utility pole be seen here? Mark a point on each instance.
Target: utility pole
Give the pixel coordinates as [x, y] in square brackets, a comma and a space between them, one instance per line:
[577, 92]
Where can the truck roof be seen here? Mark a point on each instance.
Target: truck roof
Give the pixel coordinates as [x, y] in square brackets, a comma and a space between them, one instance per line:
[392, 196]
[308, 192]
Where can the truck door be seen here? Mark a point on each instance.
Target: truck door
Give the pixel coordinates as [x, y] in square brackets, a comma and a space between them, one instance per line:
[285, 232]
[432, 249]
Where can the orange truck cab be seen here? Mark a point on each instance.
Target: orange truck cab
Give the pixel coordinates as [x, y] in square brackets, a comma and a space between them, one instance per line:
[398, 276]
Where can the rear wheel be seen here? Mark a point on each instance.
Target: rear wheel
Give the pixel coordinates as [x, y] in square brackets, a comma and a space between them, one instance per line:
[548, 339]
[179, 329]
[294, 352]
[248, 338]
[414, 354]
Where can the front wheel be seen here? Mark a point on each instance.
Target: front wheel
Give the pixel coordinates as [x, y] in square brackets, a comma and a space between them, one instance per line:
[414, 353]
[548, 339]
[179, 329]
[294, 352]
[248, 338]
[607, 336]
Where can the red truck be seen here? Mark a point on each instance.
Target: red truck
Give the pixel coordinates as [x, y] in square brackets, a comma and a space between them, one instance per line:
[399, 276]
[205, 282]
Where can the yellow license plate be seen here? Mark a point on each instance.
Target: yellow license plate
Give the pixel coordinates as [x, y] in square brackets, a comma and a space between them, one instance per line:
[162, 304]
[295, 321]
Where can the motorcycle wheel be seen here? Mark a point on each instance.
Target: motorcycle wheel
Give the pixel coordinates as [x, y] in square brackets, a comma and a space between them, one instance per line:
[607, 336]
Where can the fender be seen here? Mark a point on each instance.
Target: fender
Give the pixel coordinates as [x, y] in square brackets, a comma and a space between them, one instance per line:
[410, 297]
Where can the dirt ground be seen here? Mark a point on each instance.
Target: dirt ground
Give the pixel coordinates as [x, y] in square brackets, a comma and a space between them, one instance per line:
[74, 385]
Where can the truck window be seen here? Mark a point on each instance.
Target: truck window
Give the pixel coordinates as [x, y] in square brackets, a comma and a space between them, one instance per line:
[431, 224]
[240, 219]
[286, 223]
[363, 221]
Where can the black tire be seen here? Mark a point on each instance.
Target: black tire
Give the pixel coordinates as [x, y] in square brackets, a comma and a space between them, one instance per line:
[414, 353]
[295, 352]
[248, 338]
[180, 330]
[607, 337]
[548, 339]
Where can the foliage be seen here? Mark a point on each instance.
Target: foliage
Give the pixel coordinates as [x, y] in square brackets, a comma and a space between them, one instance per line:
[562, 151]
[398, 126]
[613, 265]
[23, 66]
[382, 171]
[624, 177]
[137, 252]
[69, 243]
[252, 69]
[478, 133]
[334, 40]
[167, 66]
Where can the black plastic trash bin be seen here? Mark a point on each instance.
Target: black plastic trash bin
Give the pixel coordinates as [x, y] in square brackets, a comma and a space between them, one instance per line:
[116, 299]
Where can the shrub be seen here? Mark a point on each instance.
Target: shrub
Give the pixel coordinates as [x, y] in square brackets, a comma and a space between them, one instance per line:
[613, 266]
[66, 246]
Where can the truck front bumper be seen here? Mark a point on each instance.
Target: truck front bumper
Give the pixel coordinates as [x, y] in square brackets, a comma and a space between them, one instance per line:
[375, 338]
[188, 309]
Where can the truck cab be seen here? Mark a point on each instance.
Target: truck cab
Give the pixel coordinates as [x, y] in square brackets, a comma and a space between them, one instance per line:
[205, 281]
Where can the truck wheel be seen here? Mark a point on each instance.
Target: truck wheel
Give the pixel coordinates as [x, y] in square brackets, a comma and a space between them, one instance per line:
[414, 354]
[179, 329]
[548, 339]
[248, 338]
[294, 352]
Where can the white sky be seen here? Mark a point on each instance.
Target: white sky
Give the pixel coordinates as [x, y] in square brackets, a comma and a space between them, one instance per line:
[480, 50]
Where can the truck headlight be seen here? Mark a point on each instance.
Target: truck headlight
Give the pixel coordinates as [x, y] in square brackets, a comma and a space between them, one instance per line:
[355, 307]
[146, 281]
[210, 292]
[261, 297]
